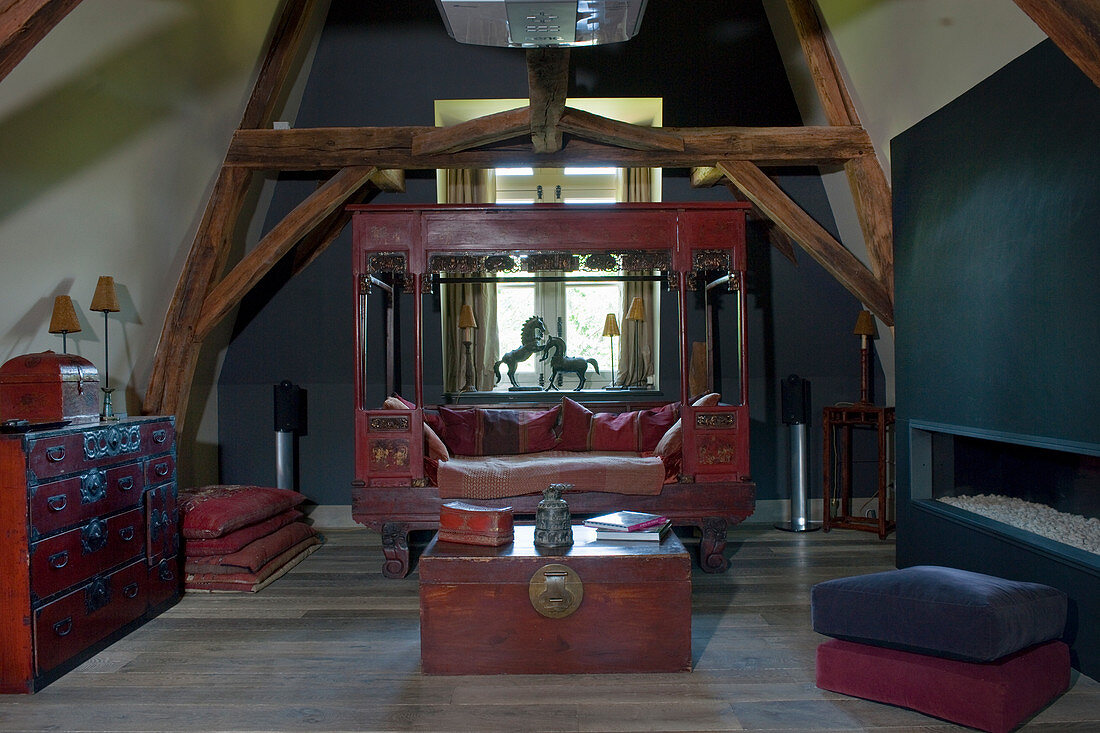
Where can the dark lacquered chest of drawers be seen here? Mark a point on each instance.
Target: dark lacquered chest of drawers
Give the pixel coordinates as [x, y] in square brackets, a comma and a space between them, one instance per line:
[89, 540]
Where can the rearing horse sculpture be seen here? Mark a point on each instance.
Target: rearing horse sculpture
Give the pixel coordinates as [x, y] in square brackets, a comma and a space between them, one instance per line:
[559, 362]
[530, 337]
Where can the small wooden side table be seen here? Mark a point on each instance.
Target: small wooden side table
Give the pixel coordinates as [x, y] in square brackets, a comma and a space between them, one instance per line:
[838, 423]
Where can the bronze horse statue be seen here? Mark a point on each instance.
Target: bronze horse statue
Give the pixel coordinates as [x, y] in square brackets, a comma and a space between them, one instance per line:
[559, 362]
[530, 337]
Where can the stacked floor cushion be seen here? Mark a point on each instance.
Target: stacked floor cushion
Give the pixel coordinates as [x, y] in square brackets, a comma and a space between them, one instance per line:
[967, 647]
[242, 538]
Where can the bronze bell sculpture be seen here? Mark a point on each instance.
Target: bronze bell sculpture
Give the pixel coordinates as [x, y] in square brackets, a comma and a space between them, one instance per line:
[552, 527]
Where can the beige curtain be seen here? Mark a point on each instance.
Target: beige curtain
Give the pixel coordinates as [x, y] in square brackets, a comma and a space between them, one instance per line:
[469, 186]
[636, 343]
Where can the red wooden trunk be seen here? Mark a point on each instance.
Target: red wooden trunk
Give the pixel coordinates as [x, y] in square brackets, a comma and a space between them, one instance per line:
[49, 387]
[477, 615]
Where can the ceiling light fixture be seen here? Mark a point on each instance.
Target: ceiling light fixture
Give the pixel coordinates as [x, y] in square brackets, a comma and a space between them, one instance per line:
[541, 23]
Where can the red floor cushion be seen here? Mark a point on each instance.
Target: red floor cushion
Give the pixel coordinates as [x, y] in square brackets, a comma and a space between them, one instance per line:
[212, 511]
[248, 581]
[238, 538]
[254, 555]
[992, 696]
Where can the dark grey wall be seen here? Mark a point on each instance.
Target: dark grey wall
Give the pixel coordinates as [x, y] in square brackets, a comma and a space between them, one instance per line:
[996, 199]
[713, 63]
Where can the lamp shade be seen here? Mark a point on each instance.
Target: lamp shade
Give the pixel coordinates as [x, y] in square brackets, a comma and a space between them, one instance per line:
[105, 298]
[466, 317]
[611, 326]
[64, 318]
[637, 310]
[865, 324]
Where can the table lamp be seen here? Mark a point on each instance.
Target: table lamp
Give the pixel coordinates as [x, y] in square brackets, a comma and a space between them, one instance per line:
[105, 301]
[467, 323]
[865, 329]
[611, 330]
[63, 320]
[636, 313]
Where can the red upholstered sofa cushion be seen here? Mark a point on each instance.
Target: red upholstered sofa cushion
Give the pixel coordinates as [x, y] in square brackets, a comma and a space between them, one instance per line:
[481, 432]
[637, 430]
[235, 540]
[212, 511]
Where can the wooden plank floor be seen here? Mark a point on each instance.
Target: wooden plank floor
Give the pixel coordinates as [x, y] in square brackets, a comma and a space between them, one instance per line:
[333, 646]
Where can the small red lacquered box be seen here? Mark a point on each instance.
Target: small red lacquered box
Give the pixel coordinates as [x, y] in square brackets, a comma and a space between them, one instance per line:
[49, 387]
[475, 525]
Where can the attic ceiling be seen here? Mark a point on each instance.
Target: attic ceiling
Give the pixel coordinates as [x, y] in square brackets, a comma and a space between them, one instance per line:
[545, 132]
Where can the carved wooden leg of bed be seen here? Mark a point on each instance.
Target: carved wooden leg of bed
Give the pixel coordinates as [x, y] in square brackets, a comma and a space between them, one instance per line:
[713, 545]
[395, 546]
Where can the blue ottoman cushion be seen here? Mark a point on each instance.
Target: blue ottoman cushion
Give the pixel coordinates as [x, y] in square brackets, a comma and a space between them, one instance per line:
[940, 611]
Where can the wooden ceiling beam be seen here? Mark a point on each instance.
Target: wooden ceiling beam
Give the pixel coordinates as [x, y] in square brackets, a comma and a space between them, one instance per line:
[389, 180]
[326, 232]
[866, 178]
[548, 82]
[177, 352]
[1074, 26]
[225, 296]
[603, 130]
[811, 236]
[705, 176]
[776, 236]
[332, 148]
[432, 141]
[23, 23]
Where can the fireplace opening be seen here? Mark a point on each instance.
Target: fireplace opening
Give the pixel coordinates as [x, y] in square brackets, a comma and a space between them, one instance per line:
[1018, 480]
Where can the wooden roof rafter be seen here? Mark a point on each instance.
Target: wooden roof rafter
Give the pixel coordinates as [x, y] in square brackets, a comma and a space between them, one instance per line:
[23, 23]
[1074, 26]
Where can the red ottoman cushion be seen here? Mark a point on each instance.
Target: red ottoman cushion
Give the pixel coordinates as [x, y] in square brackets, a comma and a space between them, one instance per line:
[992, 696]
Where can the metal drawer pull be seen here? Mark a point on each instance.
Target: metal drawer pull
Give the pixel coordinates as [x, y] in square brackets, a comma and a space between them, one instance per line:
[130, 591]
[161, 469]
[126, 533]
[59, 560]
[93, 536]
[159, 436]
[64, 626]
[166, 573]
[126, 483]
[57, 503]
[55, 454]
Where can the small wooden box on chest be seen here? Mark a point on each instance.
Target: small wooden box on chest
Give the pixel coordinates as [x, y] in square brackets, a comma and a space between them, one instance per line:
[49, 387]
[504, 610]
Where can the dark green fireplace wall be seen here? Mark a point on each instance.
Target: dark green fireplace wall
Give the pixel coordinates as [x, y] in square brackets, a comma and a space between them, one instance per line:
[997, 229]
[997, 239]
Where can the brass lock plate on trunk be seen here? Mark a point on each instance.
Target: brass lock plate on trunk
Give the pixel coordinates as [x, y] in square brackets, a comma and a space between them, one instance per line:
[556, 590]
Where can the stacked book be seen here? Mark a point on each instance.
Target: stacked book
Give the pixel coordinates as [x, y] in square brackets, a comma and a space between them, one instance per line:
[627, 525]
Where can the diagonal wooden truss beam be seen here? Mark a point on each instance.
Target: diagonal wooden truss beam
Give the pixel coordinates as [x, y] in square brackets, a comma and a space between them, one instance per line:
[548, 83]
[1074, 26]
[227, 294]
[325, 233]
[866, 178]
[177, 350]
[603, 130]
[811, 236]
[473, 133]
[23, 23]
